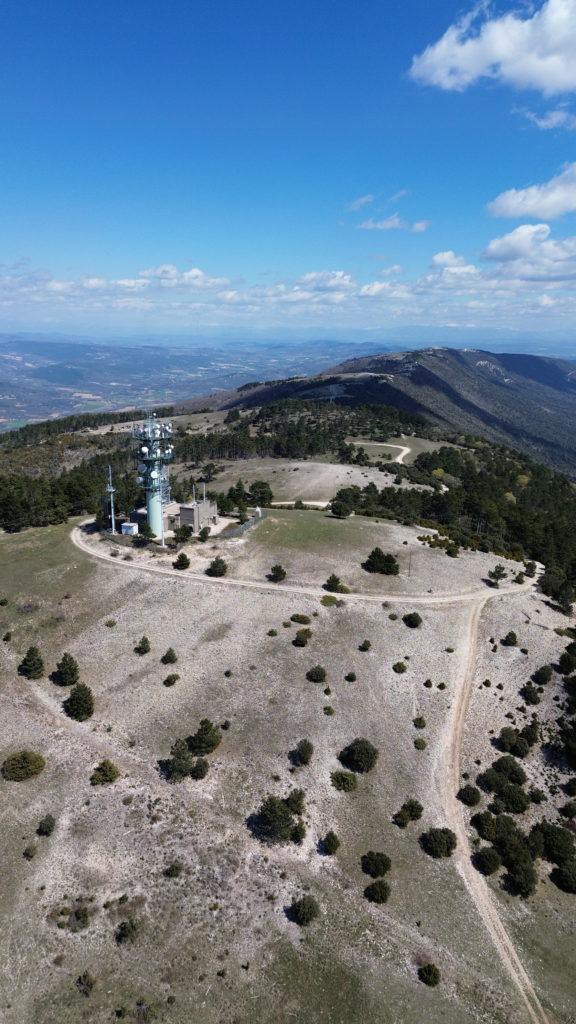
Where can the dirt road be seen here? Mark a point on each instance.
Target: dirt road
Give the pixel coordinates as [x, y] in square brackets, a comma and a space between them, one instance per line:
[450, 768]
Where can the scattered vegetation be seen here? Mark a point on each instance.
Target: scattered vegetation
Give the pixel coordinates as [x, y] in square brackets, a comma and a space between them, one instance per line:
[104, 774]
[22, 765]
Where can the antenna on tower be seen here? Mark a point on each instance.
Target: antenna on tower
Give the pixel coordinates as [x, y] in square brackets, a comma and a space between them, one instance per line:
[155, 449]
[111, 491]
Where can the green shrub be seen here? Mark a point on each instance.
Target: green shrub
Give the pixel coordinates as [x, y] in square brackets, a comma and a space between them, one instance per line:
[530, 694]
[46, 825]
[377, 561]
[304, 751]
[335, 586]
[32, 664]
[350, 677]
[328, 601]
[570, 787]
[330, 843]
[364, 646]
[302, 637]
[558, 842]
[377, 892]
[277, 574]
[217, 567]
[487, 860]
[316, 674]
[564, 876]
[30, 852]
[401, 818]
[420, 744]
[274, 821]
[171, 679]
[399, 667]
[344, 781]
[302, 620]
[206, 738]
[413, 808]
[328, 710]
[80, 704]
[104, 774]
[67, 672]
[510, 769]
[110, 623]
[438, 842]
[199, 769]
[170, 658]
[85, 983]
[419, 722]
[375, 864]
[304, 910]
[510, 640]
[359, 756]
[181, 562]
[542, 675]
[181, 763]
[295, 801]
[174, 870]
[143, 646]
[22, 765]
[127, 931]
[412, 620]
[429, 974]
[298, 833]
[469, 795]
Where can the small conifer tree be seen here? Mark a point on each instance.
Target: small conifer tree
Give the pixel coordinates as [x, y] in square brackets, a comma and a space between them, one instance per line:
[32, 664]
[67, 671]
[80, 703]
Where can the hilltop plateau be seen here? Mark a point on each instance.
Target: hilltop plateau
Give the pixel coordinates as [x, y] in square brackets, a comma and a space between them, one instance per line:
[159, 900]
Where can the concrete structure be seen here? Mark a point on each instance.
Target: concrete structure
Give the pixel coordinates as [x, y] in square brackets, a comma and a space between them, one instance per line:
[129, 529]
[199, 514]
[155, 449]
[196, 514]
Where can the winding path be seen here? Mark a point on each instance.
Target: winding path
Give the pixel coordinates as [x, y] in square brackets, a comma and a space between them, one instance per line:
[450, 766]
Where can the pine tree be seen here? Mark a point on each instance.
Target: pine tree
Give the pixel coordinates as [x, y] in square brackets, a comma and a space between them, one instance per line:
[80, 703]
[182, 562]
[67, 671]
[143, 647]
[217, 567]
[377, 561]
[170, 657]
[32, 665]
[205, 739]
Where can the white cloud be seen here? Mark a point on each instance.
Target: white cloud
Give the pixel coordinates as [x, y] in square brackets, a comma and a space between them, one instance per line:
[448, 259]
[550, 200]
[529, 254]
[399, 195]
[534, 52]
[390, 224]
[558, 119]
[393, 223]
[357, 204]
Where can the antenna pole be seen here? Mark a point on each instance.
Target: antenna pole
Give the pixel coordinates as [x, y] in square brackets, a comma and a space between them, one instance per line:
[111, 490]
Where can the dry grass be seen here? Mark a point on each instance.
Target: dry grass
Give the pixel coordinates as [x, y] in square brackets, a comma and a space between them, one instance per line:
[217, 939]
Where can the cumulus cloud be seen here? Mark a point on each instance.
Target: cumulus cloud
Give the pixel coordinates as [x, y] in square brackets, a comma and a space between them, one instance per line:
[550, 200]
[529, 254]
[448, 259]
[532, 52]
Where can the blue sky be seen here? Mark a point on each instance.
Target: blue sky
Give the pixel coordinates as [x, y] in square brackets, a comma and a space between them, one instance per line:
[209, 163]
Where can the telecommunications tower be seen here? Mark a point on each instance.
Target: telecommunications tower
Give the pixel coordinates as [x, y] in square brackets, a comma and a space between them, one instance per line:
[111, 490]
[154, 450]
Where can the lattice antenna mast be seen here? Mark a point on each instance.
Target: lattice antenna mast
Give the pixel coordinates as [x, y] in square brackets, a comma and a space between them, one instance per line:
[111, 491]
[154, 450]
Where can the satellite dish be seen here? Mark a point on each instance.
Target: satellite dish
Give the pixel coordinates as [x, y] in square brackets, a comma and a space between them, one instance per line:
[139, 480]
[154, 474]
[141, 467]
[144, 450]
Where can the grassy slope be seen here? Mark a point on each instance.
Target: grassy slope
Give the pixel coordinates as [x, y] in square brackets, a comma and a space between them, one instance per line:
[358, 962]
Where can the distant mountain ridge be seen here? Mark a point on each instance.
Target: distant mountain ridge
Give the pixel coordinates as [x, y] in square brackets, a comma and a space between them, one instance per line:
[525, 401]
